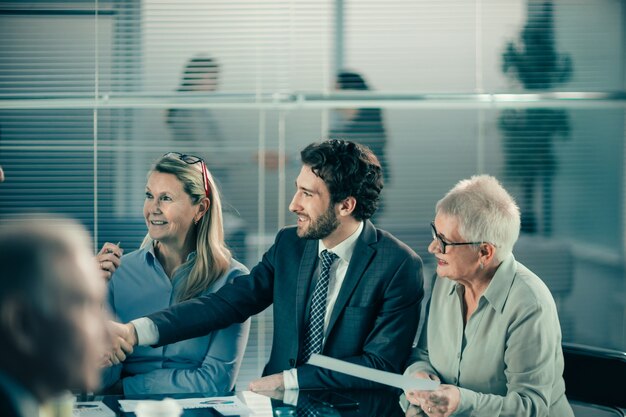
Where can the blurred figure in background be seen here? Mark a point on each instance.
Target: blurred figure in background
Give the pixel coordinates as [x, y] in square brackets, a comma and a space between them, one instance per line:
[198, 131]
[198, 128]
[364, 125]
[52, 325]
[492, 334]
[183, 256]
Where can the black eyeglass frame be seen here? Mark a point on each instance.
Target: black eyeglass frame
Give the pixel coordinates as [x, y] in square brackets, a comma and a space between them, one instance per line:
[192, 159]
[443, 243]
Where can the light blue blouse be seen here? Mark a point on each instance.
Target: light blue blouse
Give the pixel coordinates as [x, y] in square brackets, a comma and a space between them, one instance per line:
[507, 360]
[204, 364]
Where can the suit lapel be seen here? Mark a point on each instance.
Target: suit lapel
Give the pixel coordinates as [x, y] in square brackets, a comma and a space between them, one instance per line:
[361, 257]
[305, 273]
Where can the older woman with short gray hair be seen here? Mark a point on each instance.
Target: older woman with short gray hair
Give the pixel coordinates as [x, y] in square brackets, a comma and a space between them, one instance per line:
[492, 334]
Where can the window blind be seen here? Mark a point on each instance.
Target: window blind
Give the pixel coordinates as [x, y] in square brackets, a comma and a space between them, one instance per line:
[91, 92]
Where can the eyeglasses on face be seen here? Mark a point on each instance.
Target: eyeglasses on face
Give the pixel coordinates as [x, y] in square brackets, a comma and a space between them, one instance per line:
[192, 159]
[443, 244]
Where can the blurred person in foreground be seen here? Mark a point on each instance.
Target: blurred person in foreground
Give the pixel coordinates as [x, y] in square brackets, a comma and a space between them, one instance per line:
[183, 256]
[338, 285]
[492, 334]
[52, 324]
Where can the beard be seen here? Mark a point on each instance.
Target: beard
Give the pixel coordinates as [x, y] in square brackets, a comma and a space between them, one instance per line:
[325, 224]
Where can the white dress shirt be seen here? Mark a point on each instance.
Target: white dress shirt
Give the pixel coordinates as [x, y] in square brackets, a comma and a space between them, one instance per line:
[338, 271]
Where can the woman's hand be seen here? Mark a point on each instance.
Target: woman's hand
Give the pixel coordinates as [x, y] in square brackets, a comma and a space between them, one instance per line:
[426, 375]
[109, 259]
[414, 411]
[438, 403]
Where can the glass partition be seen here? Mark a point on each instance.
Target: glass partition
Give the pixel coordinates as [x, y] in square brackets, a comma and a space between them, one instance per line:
[91, 92]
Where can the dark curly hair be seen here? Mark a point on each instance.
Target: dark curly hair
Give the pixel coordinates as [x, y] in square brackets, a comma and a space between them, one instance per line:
[348, 169]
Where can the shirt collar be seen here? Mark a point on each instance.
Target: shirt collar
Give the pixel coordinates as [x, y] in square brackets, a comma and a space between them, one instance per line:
[150, 255]
[345, 249]
[498, 289]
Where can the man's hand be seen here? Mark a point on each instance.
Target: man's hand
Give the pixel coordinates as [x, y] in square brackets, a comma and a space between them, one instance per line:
[123, 338]
[105, 361]
[268, 383]
[276, 395]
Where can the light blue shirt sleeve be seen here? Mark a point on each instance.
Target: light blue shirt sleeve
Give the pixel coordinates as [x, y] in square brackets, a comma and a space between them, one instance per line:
[216, 374]
[110, 375]
[205, 364]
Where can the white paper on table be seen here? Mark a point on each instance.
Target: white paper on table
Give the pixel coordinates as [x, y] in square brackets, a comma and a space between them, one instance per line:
[91, 409]
[228, 406]
[399, 381]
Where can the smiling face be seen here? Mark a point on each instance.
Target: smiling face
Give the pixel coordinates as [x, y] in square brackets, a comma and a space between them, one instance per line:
[168, 209]
[317, 218]
[459, 263]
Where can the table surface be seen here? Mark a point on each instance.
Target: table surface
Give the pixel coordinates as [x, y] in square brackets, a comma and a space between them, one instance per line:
[371, 403]
[374, 403]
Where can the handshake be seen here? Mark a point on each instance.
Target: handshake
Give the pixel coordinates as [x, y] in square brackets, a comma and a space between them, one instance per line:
[123, 338]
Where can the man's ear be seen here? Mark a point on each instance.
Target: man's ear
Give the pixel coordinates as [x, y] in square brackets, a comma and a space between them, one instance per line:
[19, 323]
[347, 206]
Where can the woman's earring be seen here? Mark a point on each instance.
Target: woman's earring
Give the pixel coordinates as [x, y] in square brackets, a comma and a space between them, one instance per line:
[481, 266]
[195, 221]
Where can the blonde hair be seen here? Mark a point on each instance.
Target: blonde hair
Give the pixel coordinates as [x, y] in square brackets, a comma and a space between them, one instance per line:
[212, 255]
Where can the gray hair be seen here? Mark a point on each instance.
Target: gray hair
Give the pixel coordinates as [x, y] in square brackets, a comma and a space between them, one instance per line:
[486, 212]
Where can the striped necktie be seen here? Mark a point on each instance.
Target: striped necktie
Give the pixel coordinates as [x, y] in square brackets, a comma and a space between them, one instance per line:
[315, 331]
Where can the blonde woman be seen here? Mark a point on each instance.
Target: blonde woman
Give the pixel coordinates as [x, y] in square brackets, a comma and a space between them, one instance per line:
[182, 256]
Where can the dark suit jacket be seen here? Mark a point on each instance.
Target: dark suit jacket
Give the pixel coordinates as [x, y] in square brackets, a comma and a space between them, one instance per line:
[7, 408]
[373, 322]
[11, 406]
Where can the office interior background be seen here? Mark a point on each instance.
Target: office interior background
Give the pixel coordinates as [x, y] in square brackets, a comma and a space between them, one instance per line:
[533, 92]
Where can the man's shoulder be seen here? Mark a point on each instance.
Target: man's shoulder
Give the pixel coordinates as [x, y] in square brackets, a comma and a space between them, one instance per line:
[288, 235]
[388, 242]
[289, 231]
